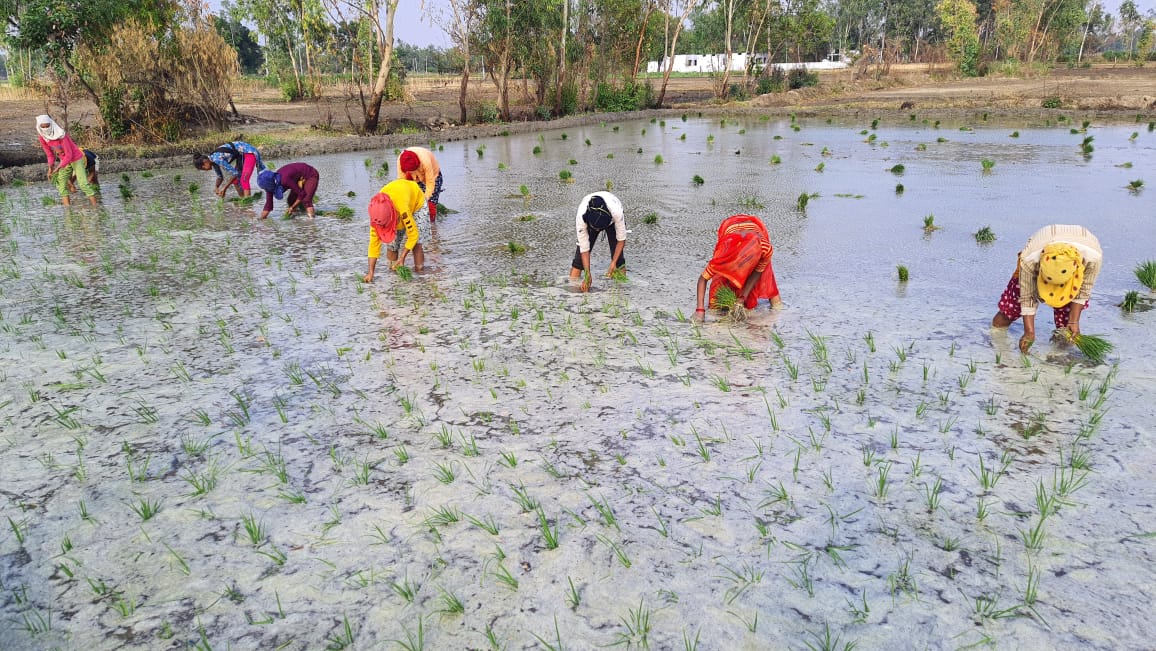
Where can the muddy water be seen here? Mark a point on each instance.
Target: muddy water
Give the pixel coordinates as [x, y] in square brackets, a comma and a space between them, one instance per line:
[402, 447]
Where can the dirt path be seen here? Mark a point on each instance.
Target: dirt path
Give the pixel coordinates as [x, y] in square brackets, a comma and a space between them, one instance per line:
[302, 128]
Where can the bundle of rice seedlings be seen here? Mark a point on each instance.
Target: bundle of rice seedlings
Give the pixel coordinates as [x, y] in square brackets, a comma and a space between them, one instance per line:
[1094, 347]
[1131, 300]
[1146, 274]
[405, 273]
[726, 299]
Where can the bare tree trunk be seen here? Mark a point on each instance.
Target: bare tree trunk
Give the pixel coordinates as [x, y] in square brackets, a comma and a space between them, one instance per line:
[464, 85]
[562, 58]
[385, 48]
[641, 38]
[690, 5]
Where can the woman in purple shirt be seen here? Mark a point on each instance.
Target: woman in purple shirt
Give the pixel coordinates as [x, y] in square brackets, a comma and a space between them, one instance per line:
[299, 179]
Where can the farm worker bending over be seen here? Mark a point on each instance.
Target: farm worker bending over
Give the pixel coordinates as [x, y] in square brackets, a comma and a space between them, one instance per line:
[596, 214]
[742, 262]
[65, 159]
[92, 165]
[418, 164]
[1058, 266]
[405, 199]
[299, 179]
[234, 163]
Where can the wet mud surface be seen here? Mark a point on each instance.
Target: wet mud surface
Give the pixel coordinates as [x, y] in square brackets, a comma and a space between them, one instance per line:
[214, 433]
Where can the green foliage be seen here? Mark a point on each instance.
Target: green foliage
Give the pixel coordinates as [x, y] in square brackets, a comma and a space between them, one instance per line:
[958, 18]
[628, 97]
[1146, 274]
[1051, 102]
[800, 78]
[112, 112]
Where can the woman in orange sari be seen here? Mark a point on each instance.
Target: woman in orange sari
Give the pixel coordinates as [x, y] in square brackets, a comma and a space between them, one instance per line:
[742, 262]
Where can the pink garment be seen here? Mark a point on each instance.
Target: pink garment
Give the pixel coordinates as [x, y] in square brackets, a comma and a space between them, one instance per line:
[249, 162]
[60, 152]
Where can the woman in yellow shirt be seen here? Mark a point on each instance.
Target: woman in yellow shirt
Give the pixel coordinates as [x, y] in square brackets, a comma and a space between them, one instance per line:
[407, 198]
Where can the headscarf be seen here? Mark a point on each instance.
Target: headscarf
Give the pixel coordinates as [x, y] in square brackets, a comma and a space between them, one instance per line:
[270, 182]
[409, 161]
[52, 132]
[1061, 274]
[383, 217]
[597, 215]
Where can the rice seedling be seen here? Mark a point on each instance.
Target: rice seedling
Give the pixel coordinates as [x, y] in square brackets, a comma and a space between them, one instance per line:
[1033, 538]
[929, 224]
[1135, 186]
[1130, 302]
[1086, 147]
[566, 176]
[985, 235]
[820, 167]
[407, 590]
[1094, 347]
[802, 201]
[697, 180]
[897, 169]
[146, 509]
[903, 273]
[881, 483]
[515, 248]
[1146, 274]
[503, 575]
[898, 189]
[931, 494]
[486, 524]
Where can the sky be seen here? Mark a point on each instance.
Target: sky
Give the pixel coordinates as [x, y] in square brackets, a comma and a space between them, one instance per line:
[413, 26]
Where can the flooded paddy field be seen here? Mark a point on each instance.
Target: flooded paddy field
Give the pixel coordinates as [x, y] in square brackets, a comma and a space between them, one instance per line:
[213, 435]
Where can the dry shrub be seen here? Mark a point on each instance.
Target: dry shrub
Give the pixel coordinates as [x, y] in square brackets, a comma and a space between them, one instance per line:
[181, 75]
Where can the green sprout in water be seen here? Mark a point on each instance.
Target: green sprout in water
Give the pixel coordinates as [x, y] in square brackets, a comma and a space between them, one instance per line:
[1131, 300]
[343, 212]
[405, 273]
[802, 201]
[775, 160]
[929, 224]
[1146, 274]
[537, 149]
[903, 274]
[566, 176]
[501, 166]
[897, 170]
[898, 189]
[698, 180]
[987, 164]
[658, 159]
[515, 247]
[1135, 186]
[985, 235]
[651, 218]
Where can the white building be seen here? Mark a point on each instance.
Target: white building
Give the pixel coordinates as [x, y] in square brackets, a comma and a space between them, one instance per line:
[707, 63]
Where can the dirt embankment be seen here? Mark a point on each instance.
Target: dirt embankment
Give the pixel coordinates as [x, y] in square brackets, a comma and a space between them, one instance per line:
[289, 130]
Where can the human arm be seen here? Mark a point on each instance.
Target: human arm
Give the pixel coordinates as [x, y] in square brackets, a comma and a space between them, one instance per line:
[613, 259]
[1029, 336]
[587, 277]
[749, 284]
[374, 253]
[268, 205]
[48, 154]
[699, 309]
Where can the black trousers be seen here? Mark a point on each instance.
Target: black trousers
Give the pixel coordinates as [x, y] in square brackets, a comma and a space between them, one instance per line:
[611, 240]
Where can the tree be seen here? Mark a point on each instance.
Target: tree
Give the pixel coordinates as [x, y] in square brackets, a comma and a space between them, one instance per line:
[958, 18]
[240, 38]
[672, 43]
[496, 40]
[460, 23]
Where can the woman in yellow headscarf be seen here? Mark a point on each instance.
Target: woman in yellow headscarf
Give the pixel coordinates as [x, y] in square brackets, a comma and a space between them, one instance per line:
[1058, 267]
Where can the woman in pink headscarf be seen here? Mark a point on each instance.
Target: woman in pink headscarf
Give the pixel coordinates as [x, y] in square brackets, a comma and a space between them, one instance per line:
[65, 159]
